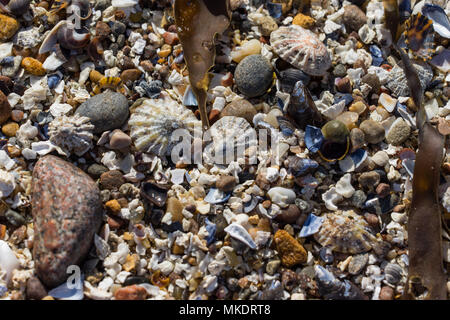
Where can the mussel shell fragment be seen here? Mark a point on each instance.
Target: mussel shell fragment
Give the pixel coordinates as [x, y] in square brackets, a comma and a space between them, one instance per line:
[302, 108]
[331, 151]
[155, 193]
[301, 166]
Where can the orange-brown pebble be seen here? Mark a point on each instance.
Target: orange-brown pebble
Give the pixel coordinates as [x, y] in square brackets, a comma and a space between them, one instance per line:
[165, 51]
[133, 292]
[130, 75]
[304, 21]
[446, 167]
[8, 27]
[48, 298]
[33, 66]
[266, 204]
[444, 127]
[170, 38]
[17, 115]
[10, 129]
[113, 206]
[147, 65]
[13, 151]
[2, 231]
[43, 4]
[114, 223]
[386, 293]
[291, 252]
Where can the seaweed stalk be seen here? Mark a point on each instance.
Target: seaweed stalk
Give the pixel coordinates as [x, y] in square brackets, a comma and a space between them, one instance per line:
[198, 23]
[426, 275]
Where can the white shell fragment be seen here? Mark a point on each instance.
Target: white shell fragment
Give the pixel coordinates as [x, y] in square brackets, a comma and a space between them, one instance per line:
[238, 232]
[332, 198]
[8, 260]
[344, 186]
[281, 196]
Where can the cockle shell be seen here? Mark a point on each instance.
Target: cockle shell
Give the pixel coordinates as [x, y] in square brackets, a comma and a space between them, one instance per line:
[71, 134]
[346, 232]
[153, 121]
[301, 48]
[230, 136]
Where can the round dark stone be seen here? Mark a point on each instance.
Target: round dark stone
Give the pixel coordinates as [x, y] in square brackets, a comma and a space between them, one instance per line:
[96, 170]
[35, 289]
[254, 75]
[14, 218]
[107, 111]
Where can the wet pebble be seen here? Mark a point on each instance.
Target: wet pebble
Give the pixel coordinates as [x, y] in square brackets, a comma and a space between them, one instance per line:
[96, 170]
[5, 108]
[133, 292]
[386, 293]
[10, 129]
[111, 179]
[35, 289]
[358, 263]
[357, 139]
[289, 215]
[107, 110]
[67, 212]
[354, 18]
[33, 66]
[369, 180]
[240, 108]
[119, 140]
[14, 218]
[254, 75]
[226, 183]
[398, 133]
[374, 131]
[381, 158]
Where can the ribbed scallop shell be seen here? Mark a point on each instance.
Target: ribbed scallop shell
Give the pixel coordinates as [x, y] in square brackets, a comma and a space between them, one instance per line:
[346, 232]
[71, 134]
[229, 134]
[153, 121]
[301, 48]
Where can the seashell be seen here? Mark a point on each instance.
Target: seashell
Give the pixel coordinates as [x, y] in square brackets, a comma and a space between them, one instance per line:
[397, 82]
[353, 161]
[300, 166]
[16, 7]
[250, 205]
[54, 79]
[189, 99]
[275, 9]
[393, 273]
[377, 55]
[408, 164]
[442, 61]
[326, 254]
[331, 198]
[311, 225]
[65, 34]
[211, 228]
[301, 48]
[83, 8]
[331, 151]
[344, 186]
[286, 126]
[71, 134]
[63, 292]
[404, 10]
[155, 193]
[346, 232]
[387, 102]
[8, 260]
[301, 107]
[124, 3]
[441, 23]
[332, 288]
[238, 232]
[335, 131]
[313, 138]
[95, 49]
[289, 77]
[216, 196]
[101, 247]
[153, 122]
[230, 136]
[378, 205]
[281, 196]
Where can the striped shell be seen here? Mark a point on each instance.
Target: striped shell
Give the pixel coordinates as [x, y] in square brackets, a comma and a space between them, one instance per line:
[230, 137]
[346, 232]
[302, 49]
[153, 121]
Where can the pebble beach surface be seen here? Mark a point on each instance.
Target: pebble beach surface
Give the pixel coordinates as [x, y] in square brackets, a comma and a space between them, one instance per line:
[90, 187]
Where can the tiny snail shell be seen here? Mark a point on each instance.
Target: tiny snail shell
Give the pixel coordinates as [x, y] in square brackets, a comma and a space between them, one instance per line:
[69, 38]
[335, 131]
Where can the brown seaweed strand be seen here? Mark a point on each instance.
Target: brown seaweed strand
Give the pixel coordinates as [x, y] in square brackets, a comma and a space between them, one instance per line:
[426, 276]
[392, 17]
[198, 22]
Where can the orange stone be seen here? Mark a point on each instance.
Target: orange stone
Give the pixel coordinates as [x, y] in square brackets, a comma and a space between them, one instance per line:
[33, 66]
[304, 21]
[291, 252]
[113, 206]
[133, 292]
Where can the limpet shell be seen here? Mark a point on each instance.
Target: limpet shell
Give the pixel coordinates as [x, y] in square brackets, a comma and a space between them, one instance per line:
[153, 122]
[301, 48]
[346, 232]
[229, 132]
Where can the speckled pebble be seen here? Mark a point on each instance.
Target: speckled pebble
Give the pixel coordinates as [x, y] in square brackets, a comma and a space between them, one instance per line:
[107, 110]
[254, 75]
[291, 252]
[398, 133]
[239, 108]
[374, 131]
